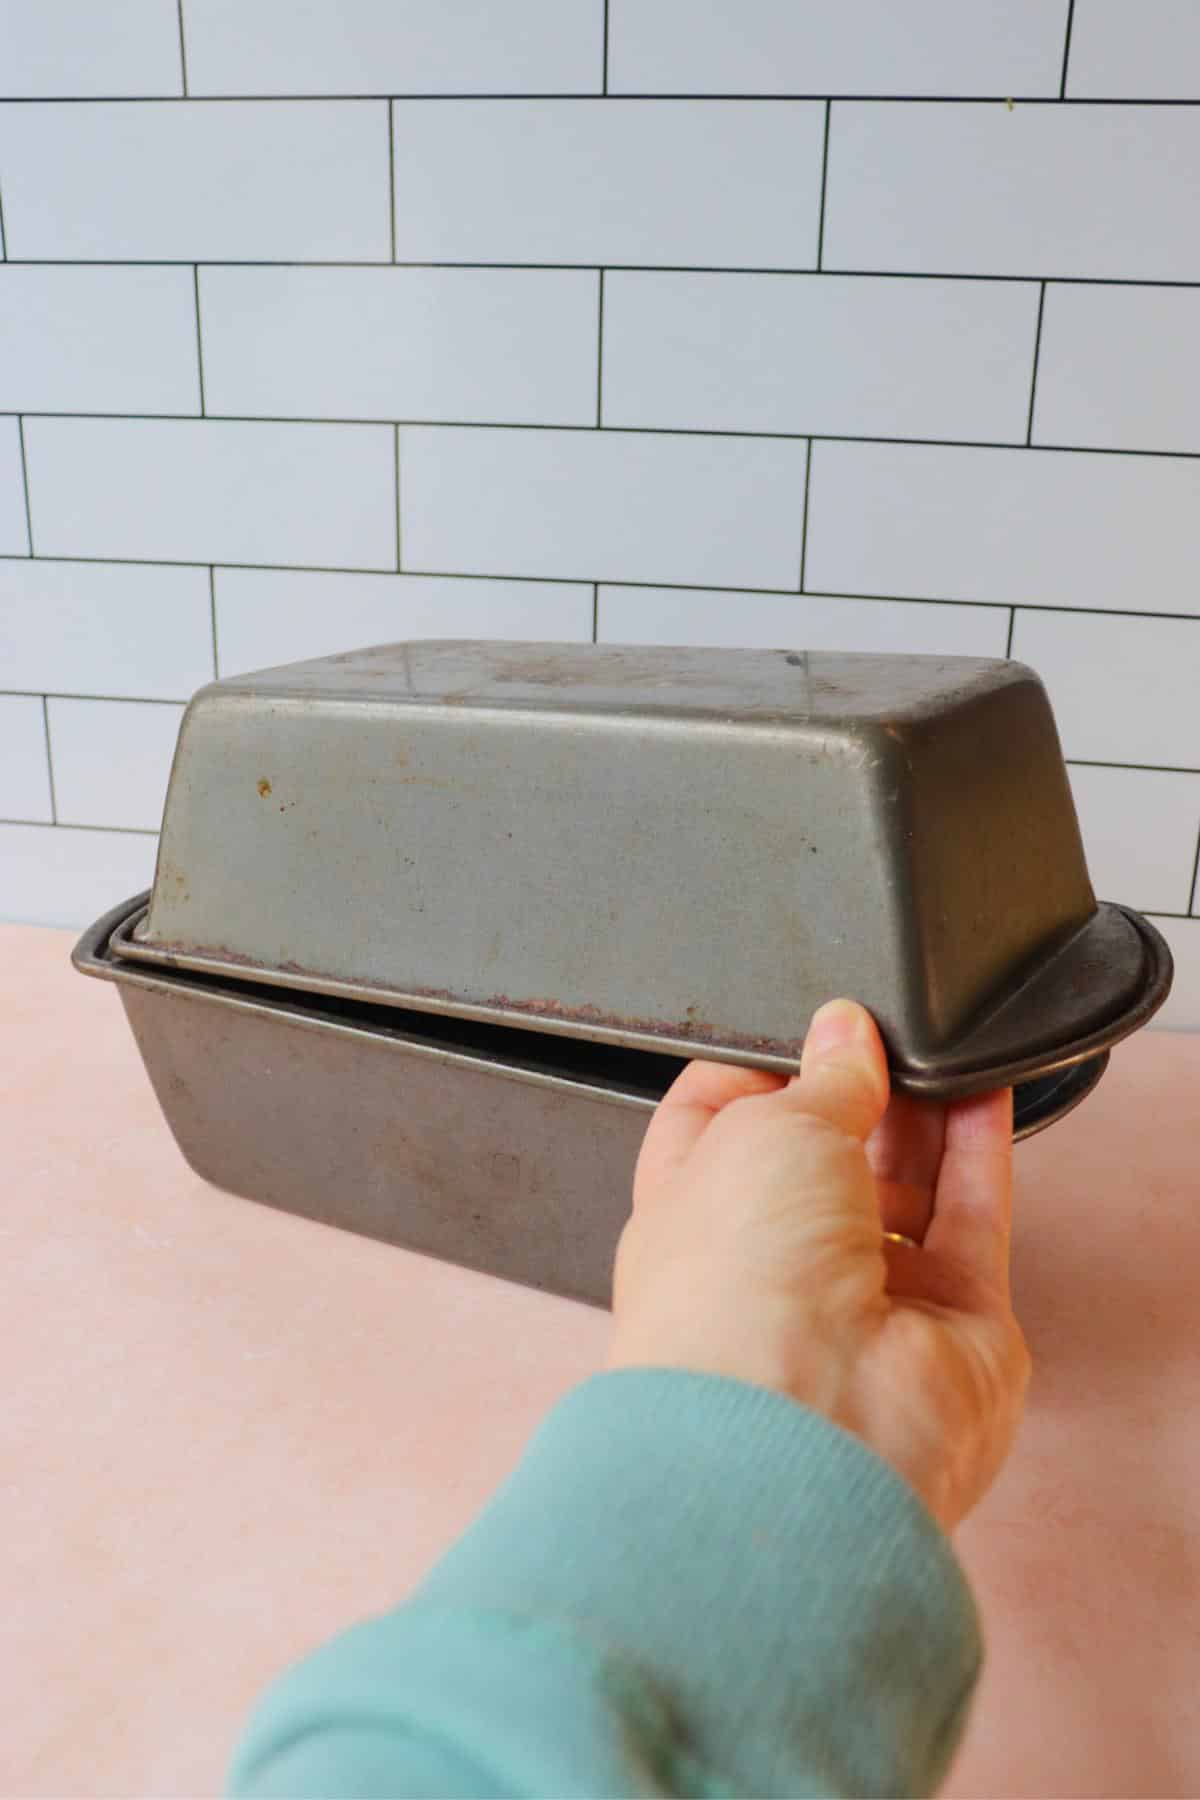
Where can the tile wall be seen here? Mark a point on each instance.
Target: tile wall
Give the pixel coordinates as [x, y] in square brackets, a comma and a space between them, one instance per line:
[850, 325]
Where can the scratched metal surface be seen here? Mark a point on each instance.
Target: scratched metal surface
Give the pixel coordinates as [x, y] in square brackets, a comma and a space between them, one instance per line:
[501, 1149]
[688, 849]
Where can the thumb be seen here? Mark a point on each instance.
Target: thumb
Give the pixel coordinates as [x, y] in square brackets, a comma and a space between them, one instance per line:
[843, 1075]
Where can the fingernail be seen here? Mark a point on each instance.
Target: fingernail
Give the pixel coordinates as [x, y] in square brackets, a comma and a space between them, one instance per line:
[838, 1025]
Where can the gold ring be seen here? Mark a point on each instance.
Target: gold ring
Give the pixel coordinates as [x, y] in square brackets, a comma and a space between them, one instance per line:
[898, 1237]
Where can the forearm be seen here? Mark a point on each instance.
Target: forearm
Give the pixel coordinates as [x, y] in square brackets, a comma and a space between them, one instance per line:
[688, 1586]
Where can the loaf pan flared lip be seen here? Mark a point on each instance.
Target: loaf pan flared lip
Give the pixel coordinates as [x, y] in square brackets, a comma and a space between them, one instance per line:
[1109, 978]
[1039, 1101]
[516, 1056]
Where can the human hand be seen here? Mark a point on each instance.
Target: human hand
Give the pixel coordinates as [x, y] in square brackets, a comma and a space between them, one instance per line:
[757, 1249]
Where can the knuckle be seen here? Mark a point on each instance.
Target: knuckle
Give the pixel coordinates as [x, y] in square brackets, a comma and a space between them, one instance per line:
[826, 1142]
[818, 1143]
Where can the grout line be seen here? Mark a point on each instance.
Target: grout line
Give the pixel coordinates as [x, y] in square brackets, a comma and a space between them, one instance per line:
[199, 341]
[195, 562]
[396, 473]
[632, 580]
[137, 562]
[1037, 351]
[25, 481]
[600, 351]
[604, 88]
[804, 521]
[1028, 606]
[690, 99]
[791, 270]
[1194, 891]
[824, 184]
[178, 418]
[49, 760]
[1012, 622]
[212, 615]
[162, 562]
[595, 612]
[1086, 762]
[392, 172]
[73, 825]
[1062, 86]
[182, 50]
[259, 262]
[689, 431]
[122, 699]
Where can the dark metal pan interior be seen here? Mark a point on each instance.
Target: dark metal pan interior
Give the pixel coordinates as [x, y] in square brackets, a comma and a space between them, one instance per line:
[1049, 1098]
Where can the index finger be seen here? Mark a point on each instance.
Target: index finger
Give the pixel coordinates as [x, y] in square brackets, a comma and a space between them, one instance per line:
[690, 1105]
[972, 1209]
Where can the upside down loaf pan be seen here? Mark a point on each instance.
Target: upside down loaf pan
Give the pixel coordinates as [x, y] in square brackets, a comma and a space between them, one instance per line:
[434, 924]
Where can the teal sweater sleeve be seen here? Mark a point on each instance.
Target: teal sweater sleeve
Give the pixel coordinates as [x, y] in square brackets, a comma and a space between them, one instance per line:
[688, 1586]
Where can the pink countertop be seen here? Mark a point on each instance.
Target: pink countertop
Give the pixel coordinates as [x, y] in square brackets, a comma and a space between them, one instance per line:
[229, 1432]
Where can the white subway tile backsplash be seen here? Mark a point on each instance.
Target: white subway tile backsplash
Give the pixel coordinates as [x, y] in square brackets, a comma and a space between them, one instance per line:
[111, 760]
[641, 615]
[24, 767]
[1119, 368]
[213, 491]
[182, 181]
[977, 189]
[377, 47]
[77, 47]
[669, 182]
[1035, 527]
[98, 339]
[135, 630]
[1146, 51]
[14, 533]
[842, 355]
[271, 616]
[496, 228]
[516, 346]
[64, 877]
[1181, 1011]
[1123, 689]
[1140, 828]
[602, 505]
[836, 47]
[803, 621]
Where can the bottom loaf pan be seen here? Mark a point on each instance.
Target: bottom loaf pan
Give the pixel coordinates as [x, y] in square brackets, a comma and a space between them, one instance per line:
[503, 1150]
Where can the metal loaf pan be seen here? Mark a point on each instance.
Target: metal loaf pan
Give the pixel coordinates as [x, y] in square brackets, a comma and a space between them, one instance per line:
[676, 850]
[465, 1142]
[502, 1149]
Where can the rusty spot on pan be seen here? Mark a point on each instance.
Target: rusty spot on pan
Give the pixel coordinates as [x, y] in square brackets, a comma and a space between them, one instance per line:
[690, 1029]
[701, 1032]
